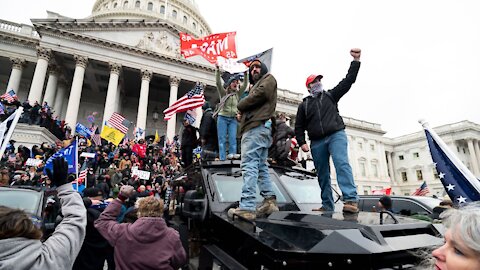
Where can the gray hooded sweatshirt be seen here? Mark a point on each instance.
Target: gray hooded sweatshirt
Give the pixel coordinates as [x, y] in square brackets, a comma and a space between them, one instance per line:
[60, 249]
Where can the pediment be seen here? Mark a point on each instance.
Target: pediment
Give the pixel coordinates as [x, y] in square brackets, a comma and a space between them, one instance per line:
[156, 37]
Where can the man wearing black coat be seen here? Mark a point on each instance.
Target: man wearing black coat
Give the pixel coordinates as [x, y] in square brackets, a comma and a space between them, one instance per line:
[208, 133]
[189, 142]
[318, 115]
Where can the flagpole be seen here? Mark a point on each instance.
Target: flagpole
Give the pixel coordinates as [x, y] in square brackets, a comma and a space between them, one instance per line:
[76, 159]
[18, 112]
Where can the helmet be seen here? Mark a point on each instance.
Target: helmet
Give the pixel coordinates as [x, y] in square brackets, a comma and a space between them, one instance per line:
[311, 78]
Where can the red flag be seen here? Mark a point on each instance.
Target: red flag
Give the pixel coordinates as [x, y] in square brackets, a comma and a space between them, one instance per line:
[210, 47]
[384, 191]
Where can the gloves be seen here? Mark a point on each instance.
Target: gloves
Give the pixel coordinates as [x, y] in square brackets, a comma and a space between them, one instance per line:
[60, 172]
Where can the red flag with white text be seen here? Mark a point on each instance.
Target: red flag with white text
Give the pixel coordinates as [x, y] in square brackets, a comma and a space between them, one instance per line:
[210, 47]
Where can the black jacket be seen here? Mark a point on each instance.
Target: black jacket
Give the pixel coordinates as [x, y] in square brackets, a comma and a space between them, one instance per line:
[319, 115]
[208, 130]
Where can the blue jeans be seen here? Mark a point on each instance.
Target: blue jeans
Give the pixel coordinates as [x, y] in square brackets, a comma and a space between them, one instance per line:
[255, 144]
[335, 145]
[226, 125]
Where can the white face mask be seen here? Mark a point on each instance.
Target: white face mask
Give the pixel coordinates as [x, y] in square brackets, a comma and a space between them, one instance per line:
[316, 88]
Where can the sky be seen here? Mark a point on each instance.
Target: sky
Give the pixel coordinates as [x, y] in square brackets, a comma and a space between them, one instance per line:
[420, 59]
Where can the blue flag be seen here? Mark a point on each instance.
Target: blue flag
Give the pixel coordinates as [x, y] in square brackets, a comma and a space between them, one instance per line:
[69, 153]
[83, 130]
[461, 185]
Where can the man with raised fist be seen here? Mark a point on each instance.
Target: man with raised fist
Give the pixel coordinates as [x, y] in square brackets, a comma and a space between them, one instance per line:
[318, 115]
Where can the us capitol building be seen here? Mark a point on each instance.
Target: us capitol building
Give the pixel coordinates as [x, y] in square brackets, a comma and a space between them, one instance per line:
[125, 58]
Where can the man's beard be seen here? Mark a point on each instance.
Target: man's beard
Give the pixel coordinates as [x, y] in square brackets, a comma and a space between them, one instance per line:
[256, 77]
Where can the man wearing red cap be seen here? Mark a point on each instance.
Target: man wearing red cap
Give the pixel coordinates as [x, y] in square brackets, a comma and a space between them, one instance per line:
[318, 115]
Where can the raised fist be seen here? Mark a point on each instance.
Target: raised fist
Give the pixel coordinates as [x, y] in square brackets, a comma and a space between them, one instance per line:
[355, 53]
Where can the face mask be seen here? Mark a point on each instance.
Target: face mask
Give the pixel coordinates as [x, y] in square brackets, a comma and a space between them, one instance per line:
[316, 88]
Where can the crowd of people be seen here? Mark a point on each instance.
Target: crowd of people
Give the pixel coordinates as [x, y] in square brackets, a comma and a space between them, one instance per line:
[37, 114]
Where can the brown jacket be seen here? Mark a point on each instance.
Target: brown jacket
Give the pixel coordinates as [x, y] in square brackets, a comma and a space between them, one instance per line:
[259, 105]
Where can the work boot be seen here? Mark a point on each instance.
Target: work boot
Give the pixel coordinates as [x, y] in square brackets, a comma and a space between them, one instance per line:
[321, 209]
[268, 206]
[350, 207]
[249, 215]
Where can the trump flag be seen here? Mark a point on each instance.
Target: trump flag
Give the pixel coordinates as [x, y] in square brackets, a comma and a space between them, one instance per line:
[210, 47]
[460, 183]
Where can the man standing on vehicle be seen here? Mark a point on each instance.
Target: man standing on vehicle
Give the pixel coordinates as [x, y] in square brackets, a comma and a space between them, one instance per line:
[255, 112]
[318, 115]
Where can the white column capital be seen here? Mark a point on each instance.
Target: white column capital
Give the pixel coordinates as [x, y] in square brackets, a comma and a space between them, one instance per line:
[174, 81]
[115, 68]
[146, 75]
[18, 63]
[53, 69]
[81, 61]
[44, 53]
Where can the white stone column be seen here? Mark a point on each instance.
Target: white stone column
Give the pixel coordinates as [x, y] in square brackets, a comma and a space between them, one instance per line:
[51, 85]
[112, 92]
[143, 100]
[59, 97]
[473, 157]
[15, 75]
[118, 99]
[36, 89]
[174, 82]
[76, 91]
[476, 144]
[390, 168]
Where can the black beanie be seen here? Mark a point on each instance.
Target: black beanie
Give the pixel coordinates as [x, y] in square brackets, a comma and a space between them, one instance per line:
[386, 201]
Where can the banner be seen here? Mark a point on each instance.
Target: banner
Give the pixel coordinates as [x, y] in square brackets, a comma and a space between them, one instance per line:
[112, 135]
[69, 153]
[238, 66]
[141, 174]
[33, 162]
[210, 47]
[87, 155]
[83, 130]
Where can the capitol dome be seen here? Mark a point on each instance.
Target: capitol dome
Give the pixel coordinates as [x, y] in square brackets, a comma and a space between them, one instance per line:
[182, 14]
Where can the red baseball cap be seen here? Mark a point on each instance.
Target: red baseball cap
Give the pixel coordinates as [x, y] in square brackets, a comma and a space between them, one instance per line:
[312, 78]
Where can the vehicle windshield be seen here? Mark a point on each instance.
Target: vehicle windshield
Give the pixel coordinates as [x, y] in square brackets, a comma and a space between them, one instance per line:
[229, 188]
[303, 188]
[20, 199]
[431, 202]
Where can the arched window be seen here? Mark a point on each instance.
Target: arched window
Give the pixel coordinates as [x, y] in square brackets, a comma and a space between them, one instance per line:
[174, 14]
[137, 4]
[194, 25]
[115, 5]
[125, 4]
[162, 9]
[185, 19]
[150, 6]
[201, 31]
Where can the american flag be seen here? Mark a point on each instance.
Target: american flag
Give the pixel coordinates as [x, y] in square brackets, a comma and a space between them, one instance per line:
[119, 122]
[10, 96]
[95, 136]
[459, 182]
[192, 100]
[422, 190]
[82, 176]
